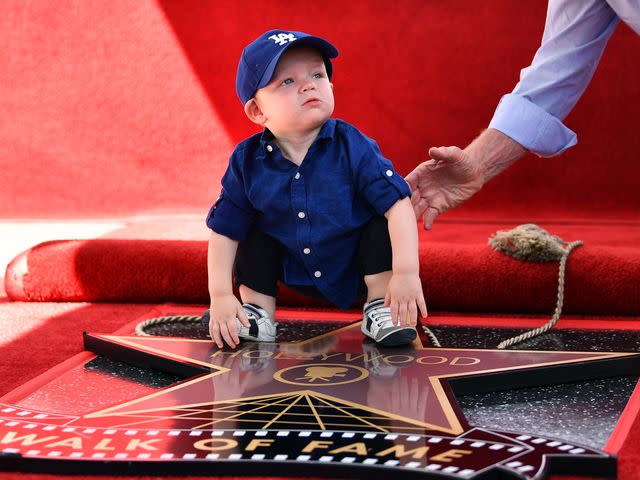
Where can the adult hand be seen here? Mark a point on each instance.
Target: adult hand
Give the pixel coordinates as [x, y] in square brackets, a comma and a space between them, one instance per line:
[442, 183]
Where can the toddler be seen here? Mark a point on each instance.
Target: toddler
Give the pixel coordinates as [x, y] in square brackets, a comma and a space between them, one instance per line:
[310, 202]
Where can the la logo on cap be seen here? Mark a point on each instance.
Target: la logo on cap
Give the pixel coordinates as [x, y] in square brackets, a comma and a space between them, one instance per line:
[283, 38]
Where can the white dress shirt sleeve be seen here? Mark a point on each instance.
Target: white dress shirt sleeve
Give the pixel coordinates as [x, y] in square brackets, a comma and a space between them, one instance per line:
[575, 35]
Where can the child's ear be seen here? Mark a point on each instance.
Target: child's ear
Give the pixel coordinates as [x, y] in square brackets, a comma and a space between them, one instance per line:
[253, 111]
[331, 85]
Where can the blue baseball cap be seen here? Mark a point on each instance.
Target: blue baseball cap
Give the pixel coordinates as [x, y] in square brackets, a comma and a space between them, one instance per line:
[260, 58]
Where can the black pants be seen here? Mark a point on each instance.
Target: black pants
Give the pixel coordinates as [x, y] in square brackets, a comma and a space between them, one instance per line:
[258, 263]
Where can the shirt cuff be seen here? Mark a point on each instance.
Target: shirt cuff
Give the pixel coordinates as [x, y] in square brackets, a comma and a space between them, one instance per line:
[386, 190]
[531, 126]
[229, 220]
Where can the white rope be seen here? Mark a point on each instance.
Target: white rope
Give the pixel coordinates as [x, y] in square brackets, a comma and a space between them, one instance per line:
[432, 336]
[530, 243]
[556, 315]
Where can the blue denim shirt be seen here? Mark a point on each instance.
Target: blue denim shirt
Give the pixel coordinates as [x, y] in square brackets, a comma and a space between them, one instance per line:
[317, 210]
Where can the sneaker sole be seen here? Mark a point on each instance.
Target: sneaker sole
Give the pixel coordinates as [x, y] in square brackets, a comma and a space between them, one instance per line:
[397, 338]
[256, 339]
[401, 337]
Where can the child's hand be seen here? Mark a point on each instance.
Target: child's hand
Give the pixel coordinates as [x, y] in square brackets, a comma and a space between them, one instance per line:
[224, 311]
[404, 295]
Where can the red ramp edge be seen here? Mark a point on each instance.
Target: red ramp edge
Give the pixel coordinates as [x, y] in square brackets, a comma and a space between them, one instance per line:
[600, 280]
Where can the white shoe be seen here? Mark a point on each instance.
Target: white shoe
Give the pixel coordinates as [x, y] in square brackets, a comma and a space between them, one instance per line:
[376, 324]
[261, 329]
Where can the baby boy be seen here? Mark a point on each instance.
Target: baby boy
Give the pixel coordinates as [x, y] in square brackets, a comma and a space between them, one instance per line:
[310, 202]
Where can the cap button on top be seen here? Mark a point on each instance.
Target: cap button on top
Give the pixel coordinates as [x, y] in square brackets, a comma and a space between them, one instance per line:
[269, 148]
[388, 172]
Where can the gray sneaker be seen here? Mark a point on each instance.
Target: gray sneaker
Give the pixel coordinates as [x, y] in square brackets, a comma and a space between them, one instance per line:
[376, 324]
[262, 328]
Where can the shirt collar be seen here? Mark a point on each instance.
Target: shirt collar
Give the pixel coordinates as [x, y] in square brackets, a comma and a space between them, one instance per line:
[327, 132]
[266, 136]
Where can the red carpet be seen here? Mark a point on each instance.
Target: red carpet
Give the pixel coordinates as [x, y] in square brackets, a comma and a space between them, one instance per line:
[129, 107]
[456, 276]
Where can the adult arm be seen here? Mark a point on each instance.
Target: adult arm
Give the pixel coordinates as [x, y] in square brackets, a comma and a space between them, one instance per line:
[529, 118]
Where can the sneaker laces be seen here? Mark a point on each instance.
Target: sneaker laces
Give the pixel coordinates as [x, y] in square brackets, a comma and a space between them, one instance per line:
[380, 315]
[252, 312]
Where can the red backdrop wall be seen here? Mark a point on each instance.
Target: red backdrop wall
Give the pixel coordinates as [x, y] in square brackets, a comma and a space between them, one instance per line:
[126, 107]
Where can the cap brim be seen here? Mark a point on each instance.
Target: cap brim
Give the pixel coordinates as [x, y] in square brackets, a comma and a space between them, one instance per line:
[327, 50]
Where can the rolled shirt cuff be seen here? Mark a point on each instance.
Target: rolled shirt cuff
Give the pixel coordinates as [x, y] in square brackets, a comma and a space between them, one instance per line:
[229, 220]
[386, 190]
[531, 126]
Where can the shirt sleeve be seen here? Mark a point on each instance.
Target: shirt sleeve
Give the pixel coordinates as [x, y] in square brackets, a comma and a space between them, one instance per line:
[575, 35]
[232, 214]
[375, 178]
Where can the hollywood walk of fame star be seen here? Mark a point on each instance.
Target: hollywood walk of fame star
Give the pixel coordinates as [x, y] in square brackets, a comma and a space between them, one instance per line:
[332, 381]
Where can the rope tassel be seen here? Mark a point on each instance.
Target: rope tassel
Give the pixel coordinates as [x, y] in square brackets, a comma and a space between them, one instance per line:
[531, 243]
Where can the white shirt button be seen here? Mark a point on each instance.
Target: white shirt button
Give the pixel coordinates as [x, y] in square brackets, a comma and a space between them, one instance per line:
[269, 148]
[307, 251]
[389, 173]
[318, 274]
[297, 175]
[301, 215]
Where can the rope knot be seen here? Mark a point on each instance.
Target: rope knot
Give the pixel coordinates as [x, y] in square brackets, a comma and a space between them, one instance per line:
[529, 242]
